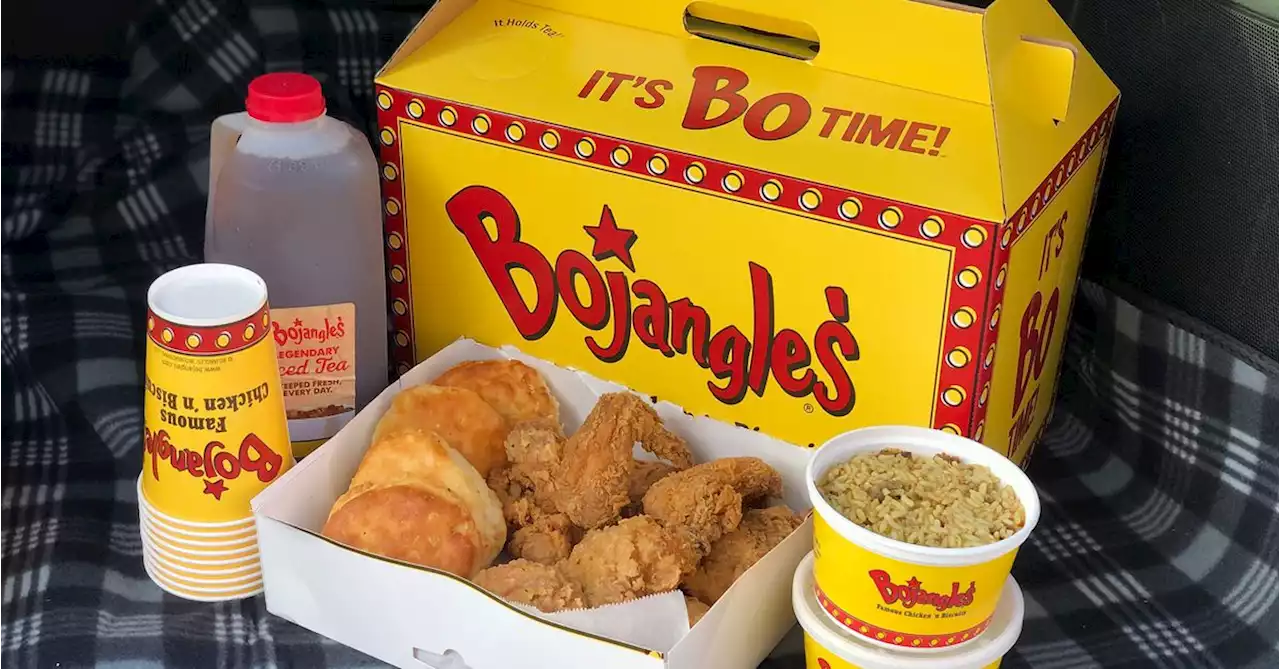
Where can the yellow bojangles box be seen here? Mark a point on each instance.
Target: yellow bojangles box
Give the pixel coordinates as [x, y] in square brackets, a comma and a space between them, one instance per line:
[804, 217]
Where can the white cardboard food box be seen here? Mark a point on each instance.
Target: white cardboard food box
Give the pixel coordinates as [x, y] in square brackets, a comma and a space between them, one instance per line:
[410, 616]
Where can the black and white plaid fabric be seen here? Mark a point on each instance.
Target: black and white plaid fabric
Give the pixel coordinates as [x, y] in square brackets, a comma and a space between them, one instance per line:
[1157, 548]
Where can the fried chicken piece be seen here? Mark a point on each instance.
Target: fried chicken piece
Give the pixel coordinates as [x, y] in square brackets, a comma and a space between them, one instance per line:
[696, 609]
[644, 473]
[705, 501]
[534, 584]
[526, 485]
[518, 505]
[735, 552]
[595, 478]
[634, 558]
[547, 540]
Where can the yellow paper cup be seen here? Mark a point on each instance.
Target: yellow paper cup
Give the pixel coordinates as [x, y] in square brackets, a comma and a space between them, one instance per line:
[167, 554]
[156, 533]
[158, 543]
[889, 592]
[829, 646]
[182, 572]
[201, 594]
[199, 540]
[226, 531]
[205, 566]
[215, 428]
[189, 580]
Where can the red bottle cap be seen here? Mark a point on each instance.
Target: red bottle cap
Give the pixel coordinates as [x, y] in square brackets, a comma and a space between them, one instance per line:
[285, 97]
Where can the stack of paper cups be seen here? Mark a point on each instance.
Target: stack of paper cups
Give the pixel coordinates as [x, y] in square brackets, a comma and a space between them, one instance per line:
[215, 430]
[206, 562]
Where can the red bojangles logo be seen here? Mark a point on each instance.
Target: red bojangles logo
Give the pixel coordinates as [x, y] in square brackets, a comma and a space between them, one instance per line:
[912, 593]
[740, 362]
[298, 333]
[215, 462]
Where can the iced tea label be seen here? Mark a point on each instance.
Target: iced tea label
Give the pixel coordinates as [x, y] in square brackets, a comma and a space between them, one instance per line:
[316, 350]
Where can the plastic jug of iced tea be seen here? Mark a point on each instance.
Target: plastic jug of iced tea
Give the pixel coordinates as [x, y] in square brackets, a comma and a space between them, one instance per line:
[293, 196]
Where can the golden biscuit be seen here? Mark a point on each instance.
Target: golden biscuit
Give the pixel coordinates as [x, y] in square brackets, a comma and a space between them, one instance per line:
[409, 523]
[467, 422]
[513, 388]
[432, 484]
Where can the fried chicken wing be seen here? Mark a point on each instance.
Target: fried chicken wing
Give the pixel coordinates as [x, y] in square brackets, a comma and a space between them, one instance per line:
[644, 473]
[705, 501]
[634, 558]
[538, 585]
[595, 479]
[735, 552]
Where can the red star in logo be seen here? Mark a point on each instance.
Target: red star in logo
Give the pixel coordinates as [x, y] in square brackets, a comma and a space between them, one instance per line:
[215, 488]
[610, 240]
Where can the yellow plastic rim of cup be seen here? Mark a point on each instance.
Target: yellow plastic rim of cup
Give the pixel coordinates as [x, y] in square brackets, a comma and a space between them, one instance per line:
[228, 527]
[822, 632]
[184, 568]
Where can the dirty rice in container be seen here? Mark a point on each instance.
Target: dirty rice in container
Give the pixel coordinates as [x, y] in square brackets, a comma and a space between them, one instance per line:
[928, 501]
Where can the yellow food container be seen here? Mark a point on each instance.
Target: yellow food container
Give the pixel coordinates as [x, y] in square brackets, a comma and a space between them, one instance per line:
[893, 593]
[828, 646]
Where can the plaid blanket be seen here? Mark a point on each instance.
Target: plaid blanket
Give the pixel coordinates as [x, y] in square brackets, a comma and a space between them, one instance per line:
[1157, 546]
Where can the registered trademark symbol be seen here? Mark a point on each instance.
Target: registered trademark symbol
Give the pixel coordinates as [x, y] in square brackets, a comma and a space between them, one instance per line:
[808, 408]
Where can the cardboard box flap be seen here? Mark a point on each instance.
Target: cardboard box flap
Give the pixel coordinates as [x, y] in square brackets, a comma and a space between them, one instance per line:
[1048, 94]
[931, 148]
[440, 15]
[945, 55]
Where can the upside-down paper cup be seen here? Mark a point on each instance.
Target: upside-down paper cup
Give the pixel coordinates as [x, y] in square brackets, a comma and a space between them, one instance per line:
[889, 592]
[215, 427]
[827, 646]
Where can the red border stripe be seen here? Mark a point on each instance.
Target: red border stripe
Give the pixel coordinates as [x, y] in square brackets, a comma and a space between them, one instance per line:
[890, 637]
[211, 340]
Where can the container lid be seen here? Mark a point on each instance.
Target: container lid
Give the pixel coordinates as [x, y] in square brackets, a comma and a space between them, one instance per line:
[284, 97]
[1006, 626]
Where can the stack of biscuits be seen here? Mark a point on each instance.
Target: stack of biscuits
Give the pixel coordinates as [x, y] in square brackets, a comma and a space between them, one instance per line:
[419, 495]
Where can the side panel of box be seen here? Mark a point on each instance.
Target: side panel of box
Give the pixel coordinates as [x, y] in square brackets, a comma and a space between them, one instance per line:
[1045, 239]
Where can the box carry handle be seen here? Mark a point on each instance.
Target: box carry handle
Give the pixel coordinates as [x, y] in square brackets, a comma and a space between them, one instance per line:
[449, 659]
[929, 45]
